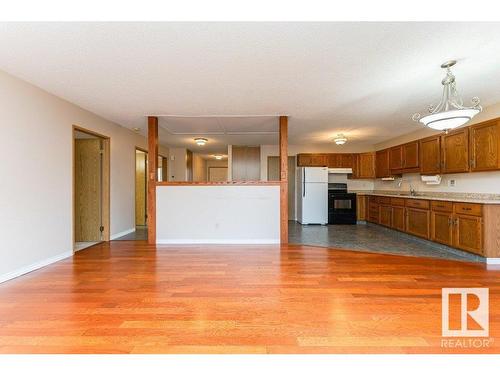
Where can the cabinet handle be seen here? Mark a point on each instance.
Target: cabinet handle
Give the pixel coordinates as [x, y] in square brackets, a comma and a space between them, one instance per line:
[473, 163]
[449, 221]
[466, 208]
[455, 222]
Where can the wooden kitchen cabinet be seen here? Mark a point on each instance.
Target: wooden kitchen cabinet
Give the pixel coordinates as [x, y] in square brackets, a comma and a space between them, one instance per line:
[418, 222]
[455, 151]
[366, 165]
[485, 146]
[385, 215]
[312, 160]
[430, 155]
[373, 209]
[396, 158]
[442, 227]
[347, 160]
[382, 168]
[468, 233]
[361, 207]
[410, 155]
[398, 218]
[334, 160]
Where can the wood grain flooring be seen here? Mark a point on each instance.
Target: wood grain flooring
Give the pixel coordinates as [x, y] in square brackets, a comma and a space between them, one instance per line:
[131, 297]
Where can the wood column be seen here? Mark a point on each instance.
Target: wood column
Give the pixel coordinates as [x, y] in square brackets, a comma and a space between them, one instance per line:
[152, 178]
[283, 125]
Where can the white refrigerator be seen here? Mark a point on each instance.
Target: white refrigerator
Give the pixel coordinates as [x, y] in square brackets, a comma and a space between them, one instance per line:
[312, 195]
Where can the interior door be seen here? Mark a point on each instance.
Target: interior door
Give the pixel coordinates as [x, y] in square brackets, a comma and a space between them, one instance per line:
[88, 190]
[217, 174]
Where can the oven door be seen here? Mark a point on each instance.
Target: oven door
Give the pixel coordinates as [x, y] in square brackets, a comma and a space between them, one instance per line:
[342, 208]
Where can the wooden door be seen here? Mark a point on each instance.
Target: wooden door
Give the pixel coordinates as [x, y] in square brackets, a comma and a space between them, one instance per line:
[385, 215]
[410, 155]
[417, 222]
[140, 187]
[398, 218]
[442, 227]
[246, 163]
[373, 212]
[430, 155]
[468, 233]
[382, 164]
[396, 157]
[88, 190]
[366, 164]
[217, 174]
[361, 207]
[455, 151]
[485, 146]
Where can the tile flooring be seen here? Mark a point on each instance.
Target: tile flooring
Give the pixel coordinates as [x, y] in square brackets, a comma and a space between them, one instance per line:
[373, 238]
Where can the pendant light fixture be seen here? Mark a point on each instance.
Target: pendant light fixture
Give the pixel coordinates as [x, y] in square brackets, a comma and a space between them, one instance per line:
[450, 113]
[340, 139]
[201, 141]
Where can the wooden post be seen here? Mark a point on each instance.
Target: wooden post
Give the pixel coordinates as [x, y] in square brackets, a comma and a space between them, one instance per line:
[283, 125]
[152, 171]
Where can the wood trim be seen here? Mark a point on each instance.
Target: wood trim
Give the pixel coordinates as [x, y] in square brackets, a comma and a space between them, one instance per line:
[106, 182]
[152, 180]
[283, 146]
[221, 183]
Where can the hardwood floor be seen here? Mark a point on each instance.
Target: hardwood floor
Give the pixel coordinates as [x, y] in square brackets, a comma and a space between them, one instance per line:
[128, 297]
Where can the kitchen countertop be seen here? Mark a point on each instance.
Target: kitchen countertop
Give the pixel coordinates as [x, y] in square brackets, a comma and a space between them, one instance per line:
[451, 197]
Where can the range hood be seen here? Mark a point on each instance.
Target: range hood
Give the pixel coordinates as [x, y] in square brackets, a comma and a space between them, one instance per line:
[340, 170]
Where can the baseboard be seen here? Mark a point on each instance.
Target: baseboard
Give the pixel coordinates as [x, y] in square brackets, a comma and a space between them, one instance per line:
[34, 266]
[266, 241]
[121, 234]
[492, 260]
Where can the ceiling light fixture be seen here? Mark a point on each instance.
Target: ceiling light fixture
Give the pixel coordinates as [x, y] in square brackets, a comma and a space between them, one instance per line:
[218, 157]
[340, 139]
[450, 113]
[201, 141]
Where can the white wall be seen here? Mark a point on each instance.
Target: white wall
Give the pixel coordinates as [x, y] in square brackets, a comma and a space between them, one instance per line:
[352, 185]
[178, 167]
[36, 171]
[217, 214]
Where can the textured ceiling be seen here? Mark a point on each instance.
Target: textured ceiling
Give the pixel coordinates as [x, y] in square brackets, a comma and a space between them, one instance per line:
[362, 79]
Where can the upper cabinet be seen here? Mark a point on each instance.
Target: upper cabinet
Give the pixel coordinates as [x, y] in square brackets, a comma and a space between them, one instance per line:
[365, 165]
[382, 164]
[485, 146]
[396, 158]
[312, 160]
[455, 151]
[430, 155]
[410, 155]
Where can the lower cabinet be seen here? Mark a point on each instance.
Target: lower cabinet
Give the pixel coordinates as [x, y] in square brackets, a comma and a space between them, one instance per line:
[398, 218]
[468, 233]
[442, 227]
[385, 217]
[373, 212]
[417, 222]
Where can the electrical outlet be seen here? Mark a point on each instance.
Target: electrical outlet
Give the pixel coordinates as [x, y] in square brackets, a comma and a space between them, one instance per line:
[451, 183]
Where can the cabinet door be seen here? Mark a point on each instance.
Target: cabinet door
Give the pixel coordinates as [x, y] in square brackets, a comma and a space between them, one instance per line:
[385, 215]
[304, 160]
[373, 212]
[334, 160]
[485, 146]
[382, 164]
[396, 157]
[398, 218]
[442, 227]
[319, 160]
[366, 165]
[455, 151]
[347, 160]
[468, 233]
[417, 222]
[410, 155]
[430, 155]
[361, 207]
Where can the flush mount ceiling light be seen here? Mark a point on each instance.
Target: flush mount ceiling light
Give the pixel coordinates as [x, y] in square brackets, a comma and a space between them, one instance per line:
[218, 157]
[450, 113]
[340, 139]
[201, 141]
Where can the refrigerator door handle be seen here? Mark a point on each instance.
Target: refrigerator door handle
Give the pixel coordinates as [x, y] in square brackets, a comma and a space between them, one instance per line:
[304, 183]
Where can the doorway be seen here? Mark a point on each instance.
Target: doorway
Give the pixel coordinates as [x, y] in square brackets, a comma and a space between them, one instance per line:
[273, 174]
[90, 188]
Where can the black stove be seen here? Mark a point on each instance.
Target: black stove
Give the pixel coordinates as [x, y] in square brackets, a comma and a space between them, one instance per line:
[341, 204]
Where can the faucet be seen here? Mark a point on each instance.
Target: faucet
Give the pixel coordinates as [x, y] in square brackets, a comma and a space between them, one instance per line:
[413, 192]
